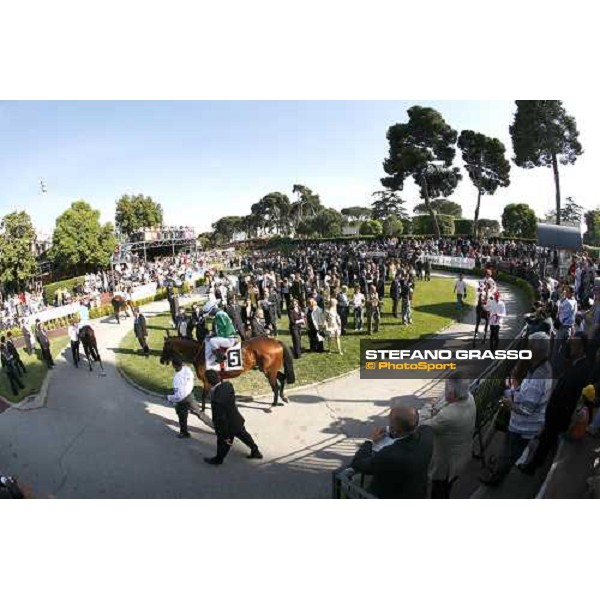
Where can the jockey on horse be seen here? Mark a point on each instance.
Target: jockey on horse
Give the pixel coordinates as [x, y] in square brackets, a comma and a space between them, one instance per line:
[224, 336]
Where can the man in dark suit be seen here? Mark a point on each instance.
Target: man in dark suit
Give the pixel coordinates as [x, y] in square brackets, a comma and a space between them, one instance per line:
[43, 340]
[395, 295]
[140, 330]
[228, 421]
[563, 401]
[10, 344]
[235, 314]
[173, 301]
[400, 468]
[198, 323]
[298, 290]
[8, 362]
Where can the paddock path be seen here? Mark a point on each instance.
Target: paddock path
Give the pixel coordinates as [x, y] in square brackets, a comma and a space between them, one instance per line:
[97, 437]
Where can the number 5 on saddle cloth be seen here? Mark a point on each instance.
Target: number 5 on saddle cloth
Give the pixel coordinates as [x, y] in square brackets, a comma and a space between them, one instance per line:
[224, 358]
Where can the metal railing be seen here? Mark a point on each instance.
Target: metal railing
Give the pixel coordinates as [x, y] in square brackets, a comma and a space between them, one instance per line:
[486, 391]
[349, 485]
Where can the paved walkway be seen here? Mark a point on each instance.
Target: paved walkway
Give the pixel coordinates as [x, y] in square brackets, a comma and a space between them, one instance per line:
[97, 437]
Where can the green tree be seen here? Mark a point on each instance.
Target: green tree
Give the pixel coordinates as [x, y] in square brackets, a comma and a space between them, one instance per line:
[393, 226]
[440, 206]
[305, 228]
[205, 240]
[485, 163]
[571, 212]
[356, 213]
[17, 260]
[407, 226]
[250, 225]
[423, 148]
[226, 227]
[371, 227]
[592, 222]
[136, 212]
[80, 242]
[488, 227]
[518, 220]
[387, 204]
[273, 212]
[327, 223]
[543, 134]
[308, 204]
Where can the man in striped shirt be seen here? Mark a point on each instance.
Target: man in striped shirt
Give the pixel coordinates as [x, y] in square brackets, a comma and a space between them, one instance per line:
[527, 405]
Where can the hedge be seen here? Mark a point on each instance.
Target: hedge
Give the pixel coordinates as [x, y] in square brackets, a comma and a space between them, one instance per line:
[594, 250]
[423, 224]
[463, 226]
[68, 284]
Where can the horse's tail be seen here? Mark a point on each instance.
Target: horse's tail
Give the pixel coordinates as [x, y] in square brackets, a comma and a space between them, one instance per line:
[288, 364]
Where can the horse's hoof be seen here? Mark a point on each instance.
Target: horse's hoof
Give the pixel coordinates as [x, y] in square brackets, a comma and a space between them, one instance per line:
[276, 404]
[285, 400]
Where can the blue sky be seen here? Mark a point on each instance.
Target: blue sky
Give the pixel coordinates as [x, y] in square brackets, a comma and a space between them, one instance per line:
[204, 160]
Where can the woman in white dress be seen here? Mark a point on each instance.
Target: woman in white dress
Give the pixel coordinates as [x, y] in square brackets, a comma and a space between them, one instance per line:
[333, 325]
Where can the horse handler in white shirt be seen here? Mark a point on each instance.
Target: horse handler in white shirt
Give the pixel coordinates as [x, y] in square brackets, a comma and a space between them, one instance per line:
[182, 397]
[497, 310]
[460, 289]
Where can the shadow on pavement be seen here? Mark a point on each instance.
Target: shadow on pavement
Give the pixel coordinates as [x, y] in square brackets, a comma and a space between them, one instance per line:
[136, 351]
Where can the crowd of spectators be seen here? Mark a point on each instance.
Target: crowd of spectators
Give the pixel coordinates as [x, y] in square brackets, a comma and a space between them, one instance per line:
[93, 288]
[14, 307]
[553, 395]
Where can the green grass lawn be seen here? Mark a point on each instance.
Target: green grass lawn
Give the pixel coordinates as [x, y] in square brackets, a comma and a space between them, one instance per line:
[36, 371]
[433, 309]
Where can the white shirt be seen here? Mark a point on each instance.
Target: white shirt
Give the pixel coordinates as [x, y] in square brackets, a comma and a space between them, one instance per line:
[183, 385]
[460, 287]
[497, 310]
[567, 309]
[358, 300]
[74, 333]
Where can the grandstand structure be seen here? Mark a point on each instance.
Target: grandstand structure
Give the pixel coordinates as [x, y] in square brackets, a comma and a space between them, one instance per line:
[155, 241]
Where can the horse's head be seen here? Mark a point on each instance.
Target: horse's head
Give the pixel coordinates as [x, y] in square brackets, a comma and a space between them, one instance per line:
[167, 351]
[86, 332]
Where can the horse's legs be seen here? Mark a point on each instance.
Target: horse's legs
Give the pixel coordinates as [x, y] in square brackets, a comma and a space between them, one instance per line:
[88, 356]
[281, 381]
[97, 357]
[274, 381]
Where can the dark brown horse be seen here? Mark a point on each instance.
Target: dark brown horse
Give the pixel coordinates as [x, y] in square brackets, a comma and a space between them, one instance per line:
[119, 304]
[90, 346]
[266, 353]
